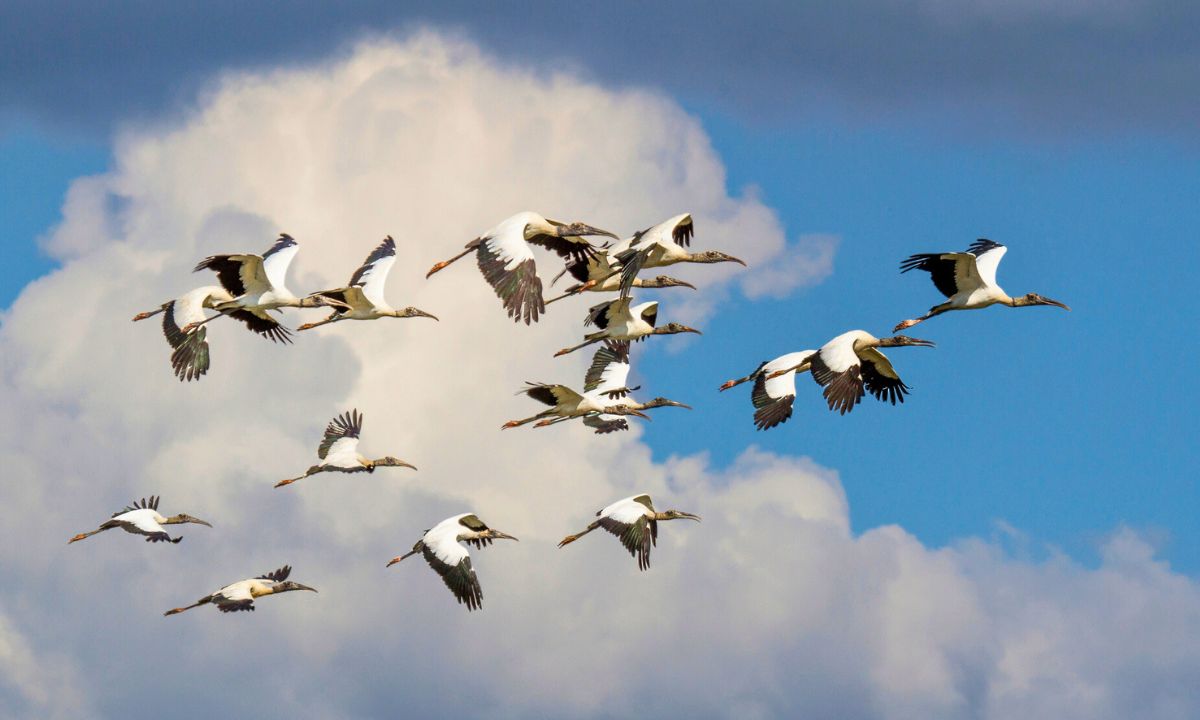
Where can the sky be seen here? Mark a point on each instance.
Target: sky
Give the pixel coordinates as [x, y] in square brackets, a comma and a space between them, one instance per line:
[1015, 539]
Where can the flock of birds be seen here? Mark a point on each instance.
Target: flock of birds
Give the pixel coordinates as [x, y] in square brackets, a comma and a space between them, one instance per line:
[251, 286]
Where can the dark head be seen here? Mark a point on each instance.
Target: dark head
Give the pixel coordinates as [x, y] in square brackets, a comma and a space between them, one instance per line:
[677, 515]
[714, 256]
[1035, 299]
[578, 229]
[904, 341]
[497, 535]
[288, 586]
[675, 328]
[662, 281]
[180, 519]
[410, 312]
[664, 402]
[390, 461]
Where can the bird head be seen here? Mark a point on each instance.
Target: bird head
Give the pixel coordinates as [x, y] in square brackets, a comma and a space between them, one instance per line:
[903, 341]
[288, 585]
[315, 300]
[714, 256]
[180, 519]
[497, 535]
[664, 281]
[675, 328]
[390, 461]
[1035, 299]
[679, 514]
[578, 229]
[410, 312]
[664, 402]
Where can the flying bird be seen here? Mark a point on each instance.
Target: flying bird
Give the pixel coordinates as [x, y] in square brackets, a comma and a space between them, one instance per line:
[242, 594]
[773, 395]
[850, 365]
[448, 558]
[621, 320]
[339, 450]
[256, 282]
[142, 518]
[661, 245]
[190, 356]
[605, 400]
[968, 279]
[362, 297]
[506, 259]
[635, 522]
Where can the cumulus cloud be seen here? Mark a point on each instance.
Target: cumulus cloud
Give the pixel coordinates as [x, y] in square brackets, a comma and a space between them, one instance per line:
[771, 606]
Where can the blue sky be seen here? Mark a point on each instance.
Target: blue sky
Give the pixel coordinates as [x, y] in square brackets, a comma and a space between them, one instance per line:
[1043, 455]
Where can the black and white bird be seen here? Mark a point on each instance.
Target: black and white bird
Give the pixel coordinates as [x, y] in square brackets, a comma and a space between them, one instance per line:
[363, 297]
[605, 401]
[620, 319]
[602, 273]
[339, 450]
[661, 245]
[506, 259]
[968, 279]
[773, 395]
[242, 594]
[190, 356]
[635, 523]
[441, 548]
[142, 518]
[850, 365]
[256, 282]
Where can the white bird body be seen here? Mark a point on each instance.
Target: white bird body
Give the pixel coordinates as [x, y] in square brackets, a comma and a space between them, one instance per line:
[620, 319]
[363, 297]
[142, 518]
[338, 451]
[850, 365]
[661, 242]
[775, 387]
[635, 523]
[241, 595]
[441, 548]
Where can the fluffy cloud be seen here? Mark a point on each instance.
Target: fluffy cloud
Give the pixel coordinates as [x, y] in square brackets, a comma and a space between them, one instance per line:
[770, 607]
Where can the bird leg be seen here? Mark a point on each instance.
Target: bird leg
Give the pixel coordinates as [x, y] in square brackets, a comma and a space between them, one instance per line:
[936, 310]
[574, 290]
[311, 471]
[733, 383]
[519, 423]
[444, 263]
[552, 421]
[82, 536]
[190, 327]
[148, 314]
[181, 609]
[416, 549]
[309, 326]
[572, 538]
[583, 344]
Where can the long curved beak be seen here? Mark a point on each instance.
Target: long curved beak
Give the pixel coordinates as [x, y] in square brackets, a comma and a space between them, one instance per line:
[921, 343]
[730, 258]
[421, 313]
[1055, 303]
[304, 587]
[691, 330]
[198, 521]
[497, 535]
[672, 403]
[578, 229]
[690, 516]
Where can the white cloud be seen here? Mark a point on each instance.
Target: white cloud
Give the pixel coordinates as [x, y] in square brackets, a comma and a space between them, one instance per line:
[770, 607]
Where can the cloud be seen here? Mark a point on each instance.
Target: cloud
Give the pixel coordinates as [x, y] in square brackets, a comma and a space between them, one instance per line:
[772, 605]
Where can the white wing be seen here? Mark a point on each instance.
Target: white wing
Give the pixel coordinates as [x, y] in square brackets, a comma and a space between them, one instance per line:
[987, 263]
[275, 261]
[143, 519]
[784, 385]
[372, 275]
[838, 354]
[442, 541]
[507, 241]
[343, 453]
[625, 511]
[239, 590]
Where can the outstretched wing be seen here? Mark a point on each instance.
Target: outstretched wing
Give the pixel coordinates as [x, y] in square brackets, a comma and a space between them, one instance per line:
[259, 322]
[150, 503]
[552, 395]
[609, 370]
[372, 274]
[507, 264]
[987, 258]
[345, 427]
[451, 561]
[635, 536]
[838, 369]
[277, 575]
[881, 379]
[275, 261]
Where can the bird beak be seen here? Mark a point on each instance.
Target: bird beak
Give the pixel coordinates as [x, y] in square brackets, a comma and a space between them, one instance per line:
[672, 403]
[921, 343]
[304, 587]
[496, 534]
[675, 282]
[198, 521]
[730, 258]
[421, 313]
[577, 229]
[691, 330]
[1055, 303]
[690, 516]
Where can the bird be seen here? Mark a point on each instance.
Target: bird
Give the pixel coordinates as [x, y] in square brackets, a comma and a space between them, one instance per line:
[968, 279]
[142, 518]
[611, 282]
[661, 245]
[507, 261]
[441, 548]
[256, 282]
[339, 450]
[605, 400]
[850, 365]
[635, 522]
[241, 594]
[773, 396]
[190, 358]
[619, 319]
[363, 295]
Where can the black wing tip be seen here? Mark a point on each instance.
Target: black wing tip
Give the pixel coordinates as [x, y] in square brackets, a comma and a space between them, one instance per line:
[982, 245]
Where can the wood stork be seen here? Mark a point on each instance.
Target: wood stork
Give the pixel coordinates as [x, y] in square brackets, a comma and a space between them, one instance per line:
[612, 283]
[773, 395]
[605, 400]
[256, 282]
[241, 594]
[507, 261]
[621, 320]
[190, 358]
[339, 450]
[363, 296]
[968, 279]
[142, 518]
[635, 522]
[661, 245]
[448, 558]
[851, 365]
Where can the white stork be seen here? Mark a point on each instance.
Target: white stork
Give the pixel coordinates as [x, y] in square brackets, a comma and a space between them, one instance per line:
[605, 400]
[621, 320]
[241, 594]
[635, 522]
[968, 279]
[448, 558]
[339, 450]
[773, 395]
[142, 518]
[507, 261]
[256, 282]
[850, 365]
[190, 358]
[363, 295]
[661, 245]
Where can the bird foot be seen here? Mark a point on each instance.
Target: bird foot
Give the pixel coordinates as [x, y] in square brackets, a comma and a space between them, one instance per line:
[543, 423]
[281, 483]
[568, 540]
[435, 268]
[727, 385]
[904, 325]
[189, 327]
[77, 538]
[564, 351]
[142, 316]
[583, 287]
[306, 326]
[510, 424]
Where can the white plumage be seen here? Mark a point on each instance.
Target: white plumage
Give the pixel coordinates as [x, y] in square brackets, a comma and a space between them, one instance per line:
[363, 297]
[441, 549]
[635, 523]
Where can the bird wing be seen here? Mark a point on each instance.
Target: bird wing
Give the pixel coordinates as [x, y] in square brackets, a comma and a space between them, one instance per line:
[650, 314]
[951, 272]
[632, 262]
[234, 597]
[987, 258]
[605, 423]
[273, 267]
[453, 563]
[275, 575]
[372, 274]
[507, 264]
[235, 272]
[145, 503]
[351, 296]
[636, 536]
[571, 247]
[773, 397]
[880, 378]
[610, 368]
[838, 369]
[602, 314]
[552, 395]
[190, 358]
[344, 427]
